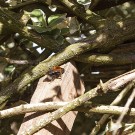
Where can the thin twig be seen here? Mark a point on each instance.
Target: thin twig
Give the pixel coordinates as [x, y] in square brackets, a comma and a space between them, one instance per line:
[117, 100]
[12, 61]
[125, 110]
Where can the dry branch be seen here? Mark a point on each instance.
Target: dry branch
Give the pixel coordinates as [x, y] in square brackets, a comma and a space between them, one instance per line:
[90, 17]
[125, 110]
[12, 61]
[106, 59]
[87, 107]
[117, 100]
[112, 84]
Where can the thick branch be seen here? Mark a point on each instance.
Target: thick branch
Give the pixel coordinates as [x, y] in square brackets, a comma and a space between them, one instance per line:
[110, 59]
[89, 16]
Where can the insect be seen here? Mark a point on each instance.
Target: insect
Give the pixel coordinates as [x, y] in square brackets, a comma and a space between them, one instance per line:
[54, 73]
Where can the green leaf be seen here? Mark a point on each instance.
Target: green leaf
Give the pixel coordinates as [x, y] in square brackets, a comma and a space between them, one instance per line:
[9, 69]
[37, 17]
[54, 20]
[64, 31]
[84, 2]
[39, 29]
[55, 33]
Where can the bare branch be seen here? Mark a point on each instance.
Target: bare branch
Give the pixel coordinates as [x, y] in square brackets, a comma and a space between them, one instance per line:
[87, 107]
[90, 17]
[117, 100]
[12, 61]
[106, 59]
[112, 84]
[125, 111]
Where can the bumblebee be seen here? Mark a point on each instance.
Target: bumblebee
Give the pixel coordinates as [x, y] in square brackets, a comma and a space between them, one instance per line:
[54, 73]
